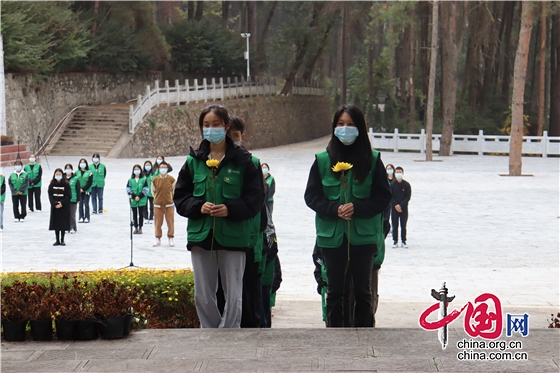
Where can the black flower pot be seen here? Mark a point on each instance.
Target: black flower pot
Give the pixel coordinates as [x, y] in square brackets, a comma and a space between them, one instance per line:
[112, 328]
[14, 331]
[41, 330]
[65, 330]
[127, 324]
[86, 330]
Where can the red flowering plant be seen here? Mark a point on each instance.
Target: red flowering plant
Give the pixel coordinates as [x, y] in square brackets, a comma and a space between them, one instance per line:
[71, 301]
[111, 301]
[42, 301]
[14, 302]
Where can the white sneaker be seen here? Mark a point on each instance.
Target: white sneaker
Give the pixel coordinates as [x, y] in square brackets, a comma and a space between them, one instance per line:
[1, 229]
[22, 220]
[72, 231]
[157, 243]
[81, 220]
[16, 220]
[395, 245]
[404, 245]
[171, 243]
[86, 220]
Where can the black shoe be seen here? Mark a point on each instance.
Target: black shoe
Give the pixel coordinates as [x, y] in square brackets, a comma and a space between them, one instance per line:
[56, 243]
[94, 212]
[135, 231]
[63, 243]
[139, 230]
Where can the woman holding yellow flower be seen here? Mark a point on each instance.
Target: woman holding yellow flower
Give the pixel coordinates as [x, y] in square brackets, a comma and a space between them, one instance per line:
[348, 190]
[219, 189]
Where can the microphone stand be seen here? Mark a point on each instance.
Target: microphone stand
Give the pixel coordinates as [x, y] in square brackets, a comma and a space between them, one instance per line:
[131, 265]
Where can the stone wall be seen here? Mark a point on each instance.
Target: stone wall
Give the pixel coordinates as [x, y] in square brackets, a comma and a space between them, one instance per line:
[270, 121]
[34, 108]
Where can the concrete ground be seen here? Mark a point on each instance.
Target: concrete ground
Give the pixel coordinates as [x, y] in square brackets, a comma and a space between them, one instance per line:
[470, 227]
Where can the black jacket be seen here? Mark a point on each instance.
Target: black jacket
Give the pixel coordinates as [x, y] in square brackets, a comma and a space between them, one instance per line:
[401, 193]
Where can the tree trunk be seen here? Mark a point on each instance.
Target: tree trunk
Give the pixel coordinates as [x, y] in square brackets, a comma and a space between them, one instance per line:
[199, 10]
[308, 70]
[424, 33]
[507, 46]
[540, 122]
[450, 55]
[490, 49]
[190, 10]
[344, 84]
[554, 127]
[225, 12]
[94, 21]
[519, 75]
[411, 63]
[432, 80]
[403, 72]
[261, 57]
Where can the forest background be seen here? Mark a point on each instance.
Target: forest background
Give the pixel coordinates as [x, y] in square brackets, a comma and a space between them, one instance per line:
[366, 53]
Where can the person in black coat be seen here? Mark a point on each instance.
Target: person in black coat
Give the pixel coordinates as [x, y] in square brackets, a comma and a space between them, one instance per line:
[59, 196]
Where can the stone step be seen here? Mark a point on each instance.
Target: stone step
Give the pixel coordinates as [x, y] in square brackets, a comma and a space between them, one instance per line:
[89, 130]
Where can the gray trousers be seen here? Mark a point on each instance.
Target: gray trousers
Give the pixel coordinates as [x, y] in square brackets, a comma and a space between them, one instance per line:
[73, 209]
[231, 265]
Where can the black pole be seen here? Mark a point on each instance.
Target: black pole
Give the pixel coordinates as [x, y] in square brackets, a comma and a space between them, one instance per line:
[131, 265]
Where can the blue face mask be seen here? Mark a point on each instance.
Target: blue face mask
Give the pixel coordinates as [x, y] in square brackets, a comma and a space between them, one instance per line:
[58, 177]
[398, 176]
[68, 171]
[82, 165]
[137, 172]
[159, 161]
[265, 171]
[31, 160]
[346, 134]
[95, 160]
[214, 135]
[163, 171]
[17, 168]
[390, 172]
[148, 168]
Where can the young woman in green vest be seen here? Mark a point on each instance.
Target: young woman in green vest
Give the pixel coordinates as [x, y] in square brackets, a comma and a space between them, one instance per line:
[85, 177]
[137, 190]
[2, 199]
[149, 174]
[74, 183]
[99, 174]
[35, 173]
[219, 203]
[159, 160]
[349, 209]
[59, 197]
[19, 184]
[269, 180]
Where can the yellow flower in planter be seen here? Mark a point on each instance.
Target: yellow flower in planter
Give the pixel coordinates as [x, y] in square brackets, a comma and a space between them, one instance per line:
[212, 163]
[341, 166]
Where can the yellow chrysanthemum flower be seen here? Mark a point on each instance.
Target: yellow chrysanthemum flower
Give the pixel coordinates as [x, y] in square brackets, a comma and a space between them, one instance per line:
[212, 163]
[341, 166]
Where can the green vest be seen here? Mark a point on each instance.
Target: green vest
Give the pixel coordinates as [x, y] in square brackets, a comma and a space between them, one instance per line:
[72, 181]
[228, 184]
[98, 175]
[255, 242]
[3, 195]
[33, 172]
[269, 181]
[149, 180]
[83, 177]
[359, 231]
[18, 182]
[137, 187]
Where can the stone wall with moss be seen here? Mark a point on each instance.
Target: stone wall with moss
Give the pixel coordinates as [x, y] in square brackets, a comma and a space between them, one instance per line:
[270, 121]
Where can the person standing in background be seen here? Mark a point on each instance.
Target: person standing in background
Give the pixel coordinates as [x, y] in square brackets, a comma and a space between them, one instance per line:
[2, 199]
[59, 196]
[163, 187]
[269, 179]
[149, 175]
[85, 177]
[35, 174]
[19, 184]
[74, 183]
[99, 174]
[137, 190]
[401, 196]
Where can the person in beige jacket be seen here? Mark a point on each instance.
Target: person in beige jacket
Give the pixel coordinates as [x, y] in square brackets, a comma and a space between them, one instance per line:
[163, 187]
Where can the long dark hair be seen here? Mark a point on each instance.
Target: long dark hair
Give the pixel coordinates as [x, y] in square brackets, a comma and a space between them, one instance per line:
[133, 167]
[85, 161]
[63, 181]
[146, 172]
[359, 153]
[219, 110]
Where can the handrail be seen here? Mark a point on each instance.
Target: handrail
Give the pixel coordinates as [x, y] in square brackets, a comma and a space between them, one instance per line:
[55, 130]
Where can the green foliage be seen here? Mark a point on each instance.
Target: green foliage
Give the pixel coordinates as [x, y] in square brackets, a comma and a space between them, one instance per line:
[205, 47]
[42, 37]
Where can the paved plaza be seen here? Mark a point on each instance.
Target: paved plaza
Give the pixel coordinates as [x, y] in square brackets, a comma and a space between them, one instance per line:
[470, 227]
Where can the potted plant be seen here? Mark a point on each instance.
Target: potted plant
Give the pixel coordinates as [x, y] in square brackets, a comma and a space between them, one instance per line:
[68, 308]
[111, 305]
[6, 140]
[42, 301]
[14, 311]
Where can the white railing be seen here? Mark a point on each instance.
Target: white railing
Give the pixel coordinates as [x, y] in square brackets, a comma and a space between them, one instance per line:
[192, 93]
[474, 144]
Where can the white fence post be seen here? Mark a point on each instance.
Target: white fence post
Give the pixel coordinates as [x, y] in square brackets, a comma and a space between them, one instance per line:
[451, 146]
[178, 90]
[157, 93]
[167, 92]
[396, 141]
[480, 142]
[149, 99]
[545, 144]
[195, 90]
[236, 88]
[228, 96]
[422, 141]
[130, 119]
[221, 88]
[205, 85]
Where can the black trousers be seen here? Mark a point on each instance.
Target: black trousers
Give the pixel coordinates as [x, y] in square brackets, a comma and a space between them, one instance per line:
[266, 316]
[360, 267]
[19, 206]
[59, 236]
[149, 209]
[34, 193]
[397, 217]
[252, 293]
[138, 213]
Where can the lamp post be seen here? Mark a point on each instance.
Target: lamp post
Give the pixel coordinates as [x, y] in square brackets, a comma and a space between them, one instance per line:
[3, 128]
[247, 35]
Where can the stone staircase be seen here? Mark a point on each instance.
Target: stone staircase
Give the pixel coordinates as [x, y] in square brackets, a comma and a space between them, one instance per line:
[9, 154]
[92, 129]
